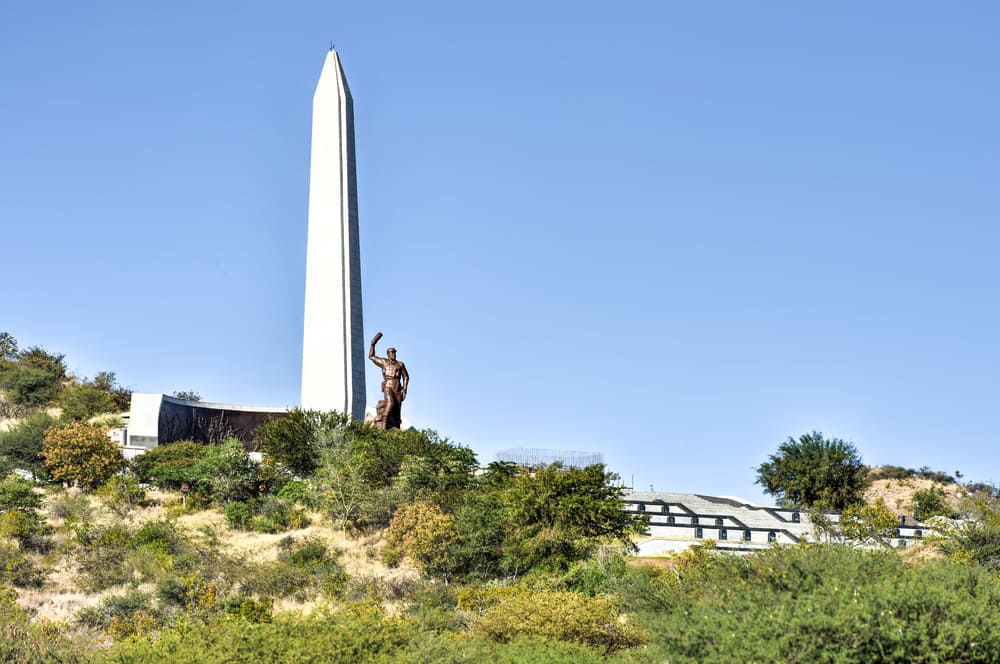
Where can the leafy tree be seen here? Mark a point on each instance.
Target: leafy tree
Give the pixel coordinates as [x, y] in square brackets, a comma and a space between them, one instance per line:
[814, 471]
[228, 472]
[559, 515]
[19, 517]
[8, 348]
[868, 524]
[187, 395]
[21, 445]
[32, 377]
[81, 454]
[107, 382]
[929, 503]
[171, 466]
[292, 440]
[83, 401]
[30, 387]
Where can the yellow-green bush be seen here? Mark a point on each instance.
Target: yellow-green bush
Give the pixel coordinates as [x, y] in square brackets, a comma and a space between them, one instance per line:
[560, 615]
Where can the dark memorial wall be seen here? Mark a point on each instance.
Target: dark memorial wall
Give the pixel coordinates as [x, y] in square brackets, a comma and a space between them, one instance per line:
[186, 420]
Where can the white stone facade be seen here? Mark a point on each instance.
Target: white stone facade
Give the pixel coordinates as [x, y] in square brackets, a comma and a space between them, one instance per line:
[333, 352]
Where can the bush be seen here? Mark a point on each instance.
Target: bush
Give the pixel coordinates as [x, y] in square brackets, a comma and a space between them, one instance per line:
[81, 402]
[825, 603]
[73, 508]
[291, 439]
[300, 492]
[426, 535]
[17, 569]
[81, 454]
[270, 515]
[22, 443]
[302, 571]
[560, 616]
[25, 640]
[238, 515]
[226, 472]
[19, 517]
[928, 503]
[122, 607]
[171, 466]
[122, 494]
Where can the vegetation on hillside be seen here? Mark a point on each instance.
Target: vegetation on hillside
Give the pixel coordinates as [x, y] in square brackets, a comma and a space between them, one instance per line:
[352, 544]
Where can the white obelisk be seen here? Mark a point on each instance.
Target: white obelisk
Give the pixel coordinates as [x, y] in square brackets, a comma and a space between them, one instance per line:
[333, 370]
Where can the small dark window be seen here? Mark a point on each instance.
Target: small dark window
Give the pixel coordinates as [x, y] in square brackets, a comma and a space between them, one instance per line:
[902, 542]
[698, 533]
[665, 509]
[796, 518]
[671, 520]
[918, 533]
[718, 520]
[642, 507]
[746, 535]
[694, 520]
[723, 534]
[772, 536]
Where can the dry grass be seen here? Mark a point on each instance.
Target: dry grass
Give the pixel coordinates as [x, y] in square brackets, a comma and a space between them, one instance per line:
[898, 494]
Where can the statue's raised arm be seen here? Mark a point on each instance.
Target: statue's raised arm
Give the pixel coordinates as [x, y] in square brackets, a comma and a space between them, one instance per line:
[371, 350]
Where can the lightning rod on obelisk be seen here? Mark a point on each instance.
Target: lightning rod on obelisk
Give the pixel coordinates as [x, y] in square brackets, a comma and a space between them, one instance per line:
[333, 368]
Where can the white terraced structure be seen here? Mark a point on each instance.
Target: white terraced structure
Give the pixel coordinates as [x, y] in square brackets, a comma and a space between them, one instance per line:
[680, 520]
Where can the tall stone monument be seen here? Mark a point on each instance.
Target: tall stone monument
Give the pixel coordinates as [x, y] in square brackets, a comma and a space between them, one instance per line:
[333, 356]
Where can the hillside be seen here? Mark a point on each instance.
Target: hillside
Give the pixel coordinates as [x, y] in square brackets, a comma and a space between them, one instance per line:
[897, 494]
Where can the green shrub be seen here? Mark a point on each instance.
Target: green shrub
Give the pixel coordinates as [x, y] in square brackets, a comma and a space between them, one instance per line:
[300, 492]
[28, 641]
[252, 610]
[22, 443]
[226, 472]
[928, 503]
[17, 569]
[824, 603]
[560, 616]
[73, 508]
[83, 401]
[122, 494]
[238, 515]
[19, 516]
[124, 607]
[171, 466]
[302, 571]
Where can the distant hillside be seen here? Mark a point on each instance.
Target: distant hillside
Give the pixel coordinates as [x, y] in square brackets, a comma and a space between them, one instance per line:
[897, 492]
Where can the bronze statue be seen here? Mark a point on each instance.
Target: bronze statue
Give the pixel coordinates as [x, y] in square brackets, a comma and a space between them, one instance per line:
[395, 381]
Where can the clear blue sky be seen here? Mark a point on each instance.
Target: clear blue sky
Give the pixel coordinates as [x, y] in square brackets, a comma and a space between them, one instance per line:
[674, 233]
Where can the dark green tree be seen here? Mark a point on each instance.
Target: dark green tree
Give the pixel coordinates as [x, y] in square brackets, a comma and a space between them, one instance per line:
[293, 440]
[8, 348]
[929, 503]
[22, 443]
[813, 471]
[187, 395]
[558, 515]
[171, 466]
[86, 400]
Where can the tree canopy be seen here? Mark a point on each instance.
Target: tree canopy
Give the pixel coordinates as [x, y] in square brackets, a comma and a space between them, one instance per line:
[814, 472]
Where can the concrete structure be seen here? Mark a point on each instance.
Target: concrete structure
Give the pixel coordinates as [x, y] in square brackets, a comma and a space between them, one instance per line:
[156, 419]
[333, 352]
[679, 520]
